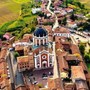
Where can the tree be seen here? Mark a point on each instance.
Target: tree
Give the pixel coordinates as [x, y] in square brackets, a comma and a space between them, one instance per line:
[32, 29]
[64, 21]
[87, 58]
[16, 54]
[82, 48]
[73, 17]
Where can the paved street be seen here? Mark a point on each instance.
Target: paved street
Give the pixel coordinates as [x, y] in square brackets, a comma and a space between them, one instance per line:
[78, 37]
[56, 24]
[13, 68]
[55, 70]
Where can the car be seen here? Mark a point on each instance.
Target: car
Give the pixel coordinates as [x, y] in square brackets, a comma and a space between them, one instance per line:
[35, 82]
[44, 78]
[11, 49]
[77, 38]
[50, 73]
[8, 76]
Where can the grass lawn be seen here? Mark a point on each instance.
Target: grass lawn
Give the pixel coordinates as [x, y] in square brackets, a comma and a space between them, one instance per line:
[88, 65]
[21, 1]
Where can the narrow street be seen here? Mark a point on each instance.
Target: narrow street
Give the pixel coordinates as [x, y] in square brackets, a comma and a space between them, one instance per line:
[48, 7]
[55, 70]
[12, 79]
[56, 74]
[12, 65]
[56, 24]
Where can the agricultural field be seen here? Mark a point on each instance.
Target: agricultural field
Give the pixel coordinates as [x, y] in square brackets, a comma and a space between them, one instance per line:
[9, 10]
[86, 2]
[21, 1]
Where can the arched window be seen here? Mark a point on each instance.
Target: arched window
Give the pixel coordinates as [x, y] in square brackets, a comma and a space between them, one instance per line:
[41, 42]
[44, 64]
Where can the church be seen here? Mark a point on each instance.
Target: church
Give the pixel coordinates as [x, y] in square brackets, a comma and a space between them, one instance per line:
[43, 52]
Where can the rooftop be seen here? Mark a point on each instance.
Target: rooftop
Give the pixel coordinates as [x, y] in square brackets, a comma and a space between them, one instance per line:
[61, 30]
[40, 32]
[77, 72]
[24, 59]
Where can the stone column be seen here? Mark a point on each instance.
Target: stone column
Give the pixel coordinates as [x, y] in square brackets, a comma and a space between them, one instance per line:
[40, 60]
[48, 60]
[36, 42]
[39, 42]
[33, 41]
[35, 61]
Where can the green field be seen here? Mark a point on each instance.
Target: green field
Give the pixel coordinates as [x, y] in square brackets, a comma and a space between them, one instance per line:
[21, 1]
[86, 2]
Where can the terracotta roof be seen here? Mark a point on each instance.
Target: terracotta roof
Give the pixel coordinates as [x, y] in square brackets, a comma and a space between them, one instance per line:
[19, 47]
[3, 53]
[69, 86]
[54, 84]
[71, 57]
[81, 85]
[2, 65]
[34, 87]
[61, 30]
[26, 37]
[67, 9]
[83, 65]
[88, 75]
[61, 61]
[4, 84]
[21, 88]
[24, 59]
[77, 72]
[74, 49]
[48, 28]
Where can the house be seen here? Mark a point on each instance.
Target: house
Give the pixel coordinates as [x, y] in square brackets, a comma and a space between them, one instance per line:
[77, 73]
[25, 62]
[54, 84]
[35, 10]
[61, 31]
[71, 24]
[69, 10]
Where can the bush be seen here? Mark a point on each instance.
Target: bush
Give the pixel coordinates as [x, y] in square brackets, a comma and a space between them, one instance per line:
[40, 85]
[82, 48]
[16, 54]
[87, 58]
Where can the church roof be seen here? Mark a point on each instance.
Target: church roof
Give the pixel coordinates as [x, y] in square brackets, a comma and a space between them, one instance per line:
[40, 32]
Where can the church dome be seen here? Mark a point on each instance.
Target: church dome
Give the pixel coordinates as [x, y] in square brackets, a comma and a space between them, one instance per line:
[40, 32]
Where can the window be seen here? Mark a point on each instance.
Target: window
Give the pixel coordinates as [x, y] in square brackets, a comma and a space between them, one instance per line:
[38, 61]
[50, 59]
[38, 66]
[50, 65]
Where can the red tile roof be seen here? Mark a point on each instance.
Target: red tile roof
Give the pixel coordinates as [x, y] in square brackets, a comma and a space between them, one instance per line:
[77, 72]
[61, 30]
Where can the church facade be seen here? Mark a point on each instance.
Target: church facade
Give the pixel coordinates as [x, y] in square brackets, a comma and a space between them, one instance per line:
[43, 53]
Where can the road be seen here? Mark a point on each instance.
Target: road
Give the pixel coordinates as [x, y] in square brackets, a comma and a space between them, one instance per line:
[48, 7]
[56, 74]
[55, 70]
[11, 70]
[12, 66]
[56, 24]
